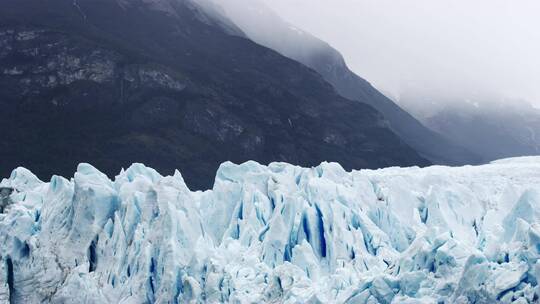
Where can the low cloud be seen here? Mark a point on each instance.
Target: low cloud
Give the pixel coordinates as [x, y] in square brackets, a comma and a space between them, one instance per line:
[427, 49]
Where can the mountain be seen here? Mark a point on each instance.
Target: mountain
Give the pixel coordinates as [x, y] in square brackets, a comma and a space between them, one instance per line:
[491, 128]
[276, 234]
[170, 84]
[265, 27]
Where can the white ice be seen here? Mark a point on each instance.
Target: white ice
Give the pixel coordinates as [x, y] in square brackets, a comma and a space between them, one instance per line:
[275, 234]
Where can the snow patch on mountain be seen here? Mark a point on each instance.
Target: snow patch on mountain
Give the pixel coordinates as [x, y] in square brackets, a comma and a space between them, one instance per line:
[277, 233]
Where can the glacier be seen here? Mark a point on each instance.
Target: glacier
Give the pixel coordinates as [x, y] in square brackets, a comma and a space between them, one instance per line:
[275, 234]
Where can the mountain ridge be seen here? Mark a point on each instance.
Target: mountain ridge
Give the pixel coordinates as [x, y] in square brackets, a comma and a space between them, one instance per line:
[121, 83]
[262, 25]
[490, 127]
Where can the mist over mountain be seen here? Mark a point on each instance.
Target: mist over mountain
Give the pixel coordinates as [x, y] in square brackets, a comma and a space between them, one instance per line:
[264, 26]
[171, 85]
[432, 49]
[435, 60]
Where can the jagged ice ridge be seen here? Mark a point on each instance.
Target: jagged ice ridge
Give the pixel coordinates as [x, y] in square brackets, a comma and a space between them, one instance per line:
[275, 234]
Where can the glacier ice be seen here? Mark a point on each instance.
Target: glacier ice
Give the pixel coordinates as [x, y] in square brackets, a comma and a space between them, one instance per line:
[275, 234]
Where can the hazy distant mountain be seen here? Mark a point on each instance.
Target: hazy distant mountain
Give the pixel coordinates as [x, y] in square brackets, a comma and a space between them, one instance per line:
[165, 83]
[492, 129]
[265, 27]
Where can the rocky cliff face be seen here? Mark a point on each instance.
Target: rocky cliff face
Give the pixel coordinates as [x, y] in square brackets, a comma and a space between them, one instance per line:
[38, 60]
[167, 84]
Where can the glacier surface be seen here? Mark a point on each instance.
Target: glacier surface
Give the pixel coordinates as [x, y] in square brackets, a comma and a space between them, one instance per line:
[275, 234]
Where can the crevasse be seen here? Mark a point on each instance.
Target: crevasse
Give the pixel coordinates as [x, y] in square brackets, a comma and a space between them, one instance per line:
[275, 234]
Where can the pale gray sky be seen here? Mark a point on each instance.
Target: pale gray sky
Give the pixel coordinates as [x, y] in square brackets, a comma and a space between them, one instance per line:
[431, 47]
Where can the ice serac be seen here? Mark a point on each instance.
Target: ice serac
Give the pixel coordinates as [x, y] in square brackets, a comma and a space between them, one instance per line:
[275, 234]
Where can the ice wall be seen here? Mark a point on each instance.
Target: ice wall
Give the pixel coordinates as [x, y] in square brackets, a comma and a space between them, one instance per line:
[276, 234]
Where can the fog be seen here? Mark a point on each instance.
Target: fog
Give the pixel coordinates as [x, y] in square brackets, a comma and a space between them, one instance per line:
[431, 49]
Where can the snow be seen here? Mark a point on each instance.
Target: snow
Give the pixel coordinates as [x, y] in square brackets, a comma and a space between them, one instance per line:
[275, 234]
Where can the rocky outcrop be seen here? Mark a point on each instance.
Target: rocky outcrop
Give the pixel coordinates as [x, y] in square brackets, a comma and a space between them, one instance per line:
[5, 201]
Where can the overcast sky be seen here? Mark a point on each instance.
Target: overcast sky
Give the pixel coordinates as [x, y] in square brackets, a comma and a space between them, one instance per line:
[431, 47]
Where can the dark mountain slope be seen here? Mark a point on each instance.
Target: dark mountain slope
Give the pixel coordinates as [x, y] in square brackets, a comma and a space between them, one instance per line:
[162, 83]
[263, 26]
[492, 129]
[429, 144]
